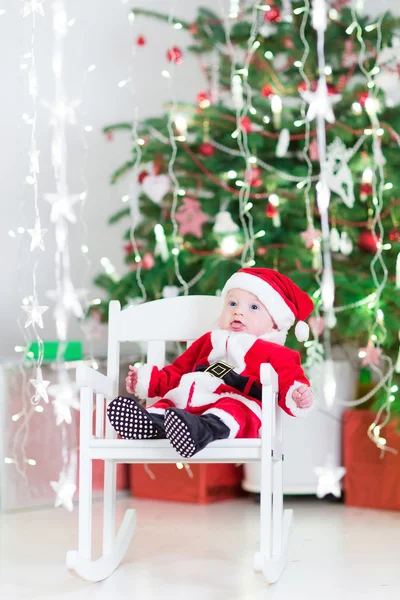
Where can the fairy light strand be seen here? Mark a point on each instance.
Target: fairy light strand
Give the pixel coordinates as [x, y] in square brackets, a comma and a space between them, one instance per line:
[378, 185]
[173, 178]
[66, 298]
[134, 187]
[30, 305]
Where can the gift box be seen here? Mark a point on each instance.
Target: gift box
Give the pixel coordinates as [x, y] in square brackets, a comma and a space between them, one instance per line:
[196, 483]
[372, 478]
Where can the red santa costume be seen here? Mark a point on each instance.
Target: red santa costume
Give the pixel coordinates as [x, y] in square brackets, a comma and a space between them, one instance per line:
[219, 374]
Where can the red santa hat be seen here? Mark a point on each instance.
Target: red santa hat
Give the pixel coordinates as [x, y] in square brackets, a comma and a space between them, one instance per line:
[283, 299]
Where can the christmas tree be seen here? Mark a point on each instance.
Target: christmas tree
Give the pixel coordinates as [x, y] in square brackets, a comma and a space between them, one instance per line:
[231, 180]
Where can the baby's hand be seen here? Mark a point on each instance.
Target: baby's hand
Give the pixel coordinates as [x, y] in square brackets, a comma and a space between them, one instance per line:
[131, 380]
[303, 396]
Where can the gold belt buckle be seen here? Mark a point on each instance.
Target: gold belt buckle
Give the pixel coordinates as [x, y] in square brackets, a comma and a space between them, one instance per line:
[219, 369]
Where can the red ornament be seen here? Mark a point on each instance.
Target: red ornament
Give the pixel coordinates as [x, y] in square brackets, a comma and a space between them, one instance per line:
[203, 99]
[175, 55]
[302, 87]
[141, 41]
[362, 98]
[142, 175]
[367, 242]
[128, 248]
[366, 189]
[193, 29]
[267, 91]
[148, 261]
[273, 14]
[109, 136]
[254, 177]
[206, 149]
[394, 235]
[332, 89]
[271, 211]
[246, 124]
[288, 42]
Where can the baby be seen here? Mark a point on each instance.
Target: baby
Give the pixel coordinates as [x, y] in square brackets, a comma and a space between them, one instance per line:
[213, 390]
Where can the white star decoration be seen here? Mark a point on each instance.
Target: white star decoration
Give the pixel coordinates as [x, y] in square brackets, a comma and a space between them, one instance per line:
[61, 206]
[37, 236]
[63, 111]
[40, 386]
[68, 298]
[33, 6]
[34, 312]
[65, 400]
[328, 479]
[320, 103]
[64, 489]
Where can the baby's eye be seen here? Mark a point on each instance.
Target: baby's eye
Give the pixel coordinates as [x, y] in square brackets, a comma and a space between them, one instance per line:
[254, 307]
[232, 303]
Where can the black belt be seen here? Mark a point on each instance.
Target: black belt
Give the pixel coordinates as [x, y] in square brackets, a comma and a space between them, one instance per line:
[230, 377]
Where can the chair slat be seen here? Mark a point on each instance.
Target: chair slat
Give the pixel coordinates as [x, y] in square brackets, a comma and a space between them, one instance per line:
[99, 416]
[156, 354]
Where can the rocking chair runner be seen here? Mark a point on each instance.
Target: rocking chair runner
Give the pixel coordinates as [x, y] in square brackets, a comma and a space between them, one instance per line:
[172, 319]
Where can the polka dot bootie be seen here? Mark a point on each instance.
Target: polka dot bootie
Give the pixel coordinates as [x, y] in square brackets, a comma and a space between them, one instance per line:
[133, 422]
[189, 434]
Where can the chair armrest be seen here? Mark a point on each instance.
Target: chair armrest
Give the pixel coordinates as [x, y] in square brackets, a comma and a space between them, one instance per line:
[268, 376]
[88, 377]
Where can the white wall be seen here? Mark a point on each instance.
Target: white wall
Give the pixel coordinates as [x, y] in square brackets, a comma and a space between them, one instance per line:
[101, 35]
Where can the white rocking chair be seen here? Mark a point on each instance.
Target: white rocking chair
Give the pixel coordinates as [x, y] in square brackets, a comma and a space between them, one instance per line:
[172, 319]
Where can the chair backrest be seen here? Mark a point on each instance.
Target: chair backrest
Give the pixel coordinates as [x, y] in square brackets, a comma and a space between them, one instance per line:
[184, 318]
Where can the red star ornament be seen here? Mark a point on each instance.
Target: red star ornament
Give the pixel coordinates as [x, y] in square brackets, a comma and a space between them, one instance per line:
[310, 236]
[191, 218]
[370, 355]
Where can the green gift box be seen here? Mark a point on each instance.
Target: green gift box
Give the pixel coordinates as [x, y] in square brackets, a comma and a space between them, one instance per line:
[68, 351]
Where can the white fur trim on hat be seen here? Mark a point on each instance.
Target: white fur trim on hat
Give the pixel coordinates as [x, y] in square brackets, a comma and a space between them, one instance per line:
[272, 300]
[302, 331]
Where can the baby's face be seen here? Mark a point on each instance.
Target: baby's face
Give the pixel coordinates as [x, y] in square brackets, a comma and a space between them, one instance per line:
[243, 312]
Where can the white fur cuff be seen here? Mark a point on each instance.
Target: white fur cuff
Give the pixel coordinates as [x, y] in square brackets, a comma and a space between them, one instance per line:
[226, 418]
[292, 406]
[143, 382]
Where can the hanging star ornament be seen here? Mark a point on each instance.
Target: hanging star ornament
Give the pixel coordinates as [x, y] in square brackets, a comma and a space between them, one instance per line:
[37, 236]
[65, 489]
[329, 477]
[65, 400]
[320, 102]
[33, 6]
[61, 206]
[370, 355]
[310, 236]
[40, 386]
[34, 312]
[69, 298]
[191, 218]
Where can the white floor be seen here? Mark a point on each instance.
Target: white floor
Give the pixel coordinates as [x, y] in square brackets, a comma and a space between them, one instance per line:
[193, 552]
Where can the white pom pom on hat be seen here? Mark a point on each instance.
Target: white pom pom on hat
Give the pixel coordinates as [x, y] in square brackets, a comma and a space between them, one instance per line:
[283, 299]
[302, 331]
